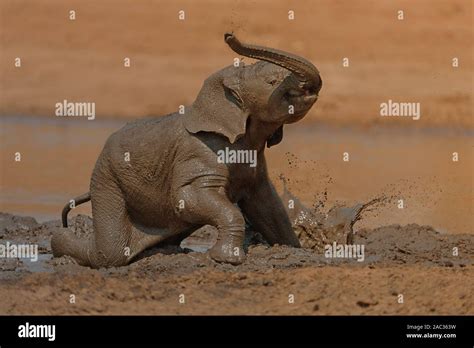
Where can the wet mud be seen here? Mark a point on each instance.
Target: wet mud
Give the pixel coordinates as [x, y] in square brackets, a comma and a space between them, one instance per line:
[410, 260]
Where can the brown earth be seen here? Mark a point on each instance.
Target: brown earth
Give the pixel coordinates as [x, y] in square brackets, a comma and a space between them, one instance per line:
[414, 261]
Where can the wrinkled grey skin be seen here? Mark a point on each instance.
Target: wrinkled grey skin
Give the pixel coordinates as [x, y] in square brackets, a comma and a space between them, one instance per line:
[173, 184]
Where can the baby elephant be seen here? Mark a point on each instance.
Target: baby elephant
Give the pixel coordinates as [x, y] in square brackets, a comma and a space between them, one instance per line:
[166, 177]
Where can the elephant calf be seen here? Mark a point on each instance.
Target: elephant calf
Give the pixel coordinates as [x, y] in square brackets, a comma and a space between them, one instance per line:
[166, 177]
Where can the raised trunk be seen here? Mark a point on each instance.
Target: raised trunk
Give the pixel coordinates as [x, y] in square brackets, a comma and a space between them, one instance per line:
[303, 69]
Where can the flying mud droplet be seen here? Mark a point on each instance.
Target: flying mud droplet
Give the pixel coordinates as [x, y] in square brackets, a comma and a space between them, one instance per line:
[316, 229]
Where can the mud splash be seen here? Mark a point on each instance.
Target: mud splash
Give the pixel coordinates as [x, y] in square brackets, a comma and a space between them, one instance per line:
[314, 227]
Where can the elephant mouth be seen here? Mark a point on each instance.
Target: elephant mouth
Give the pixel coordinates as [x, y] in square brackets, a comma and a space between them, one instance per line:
[302, 100]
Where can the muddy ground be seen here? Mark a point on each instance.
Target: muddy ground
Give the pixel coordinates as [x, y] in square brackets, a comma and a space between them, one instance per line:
[414, 261]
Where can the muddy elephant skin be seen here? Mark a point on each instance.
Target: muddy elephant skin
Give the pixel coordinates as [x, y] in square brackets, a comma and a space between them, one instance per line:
[165, 177]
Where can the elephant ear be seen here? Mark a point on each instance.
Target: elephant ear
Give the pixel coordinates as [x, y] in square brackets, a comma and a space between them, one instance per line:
[219, 107]
[276, 137]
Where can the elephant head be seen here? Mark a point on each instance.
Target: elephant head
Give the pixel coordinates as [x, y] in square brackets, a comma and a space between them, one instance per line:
[279, 89]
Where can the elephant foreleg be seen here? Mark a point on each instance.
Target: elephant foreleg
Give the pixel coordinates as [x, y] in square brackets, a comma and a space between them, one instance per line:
[265, 211]
[210, 206]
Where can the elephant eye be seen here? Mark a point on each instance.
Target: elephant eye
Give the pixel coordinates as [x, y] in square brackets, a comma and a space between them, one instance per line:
[233, 96]
[272, 81]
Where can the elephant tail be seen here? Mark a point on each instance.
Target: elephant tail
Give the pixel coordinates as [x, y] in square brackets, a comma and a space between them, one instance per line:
[86, 197]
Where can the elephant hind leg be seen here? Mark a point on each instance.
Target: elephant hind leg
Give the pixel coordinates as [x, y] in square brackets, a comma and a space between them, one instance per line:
[64, 242]
[115, 241]
[145, 237]
[83, 250]
[107, 245]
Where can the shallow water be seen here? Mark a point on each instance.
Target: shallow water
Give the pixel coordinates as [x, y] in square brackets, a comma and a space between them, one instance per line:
[57, 157]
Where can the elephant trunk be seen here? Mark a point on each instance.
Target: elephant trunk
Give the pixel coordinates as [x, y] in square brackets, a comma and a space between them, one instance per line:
[306, 72]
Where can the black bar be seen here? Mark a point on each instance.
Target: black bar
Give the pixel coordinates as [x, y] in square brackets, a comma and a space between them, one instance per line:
[139, 330]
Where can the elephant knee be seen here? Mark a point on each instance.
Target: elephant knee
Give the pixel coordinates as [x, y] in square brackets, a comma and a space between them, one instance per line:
[185, 203]
[207, 207]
